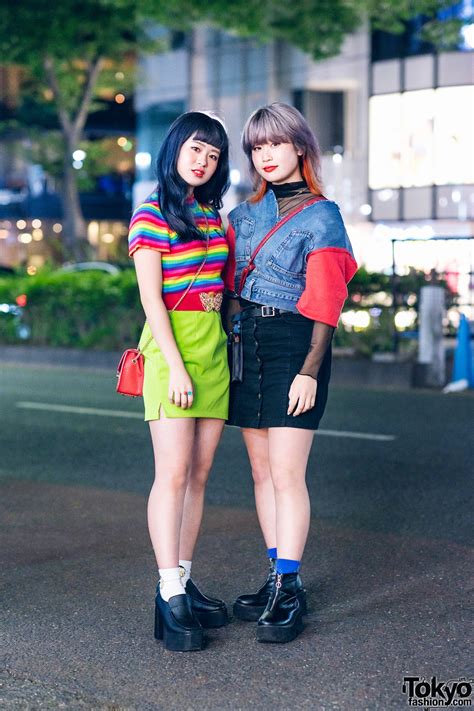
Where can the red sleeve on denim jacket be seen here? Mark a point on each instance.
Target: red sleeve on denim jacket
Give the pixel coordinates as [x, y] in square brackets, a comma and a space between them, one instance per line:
[228, 274]
[329, 271]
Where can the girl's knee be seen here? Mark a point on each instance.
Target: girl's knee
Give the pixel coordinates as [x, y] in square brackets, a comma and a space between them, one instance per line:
[198, 478]
[261, 475]
[287, 478]
[175, 478]
[199, 473]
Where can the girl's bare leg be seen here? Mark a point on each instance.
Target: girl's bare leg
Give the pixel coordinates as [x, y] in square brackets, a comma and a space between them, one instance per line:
[173, 441]
[207, 435]
[289, 450]
[256, 442]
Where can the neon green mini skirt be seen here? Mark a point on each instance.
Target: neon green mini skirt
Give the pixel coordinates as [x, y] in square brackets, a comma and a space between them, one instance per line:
[202, 342]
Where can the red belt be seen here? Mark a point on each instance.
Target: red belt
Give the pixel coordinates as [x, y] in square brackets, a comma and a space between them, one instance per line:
[195, 301]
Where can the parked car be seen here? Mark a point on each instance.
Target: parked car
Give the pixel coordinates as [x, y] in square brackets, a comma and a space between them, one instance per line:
[90, 266]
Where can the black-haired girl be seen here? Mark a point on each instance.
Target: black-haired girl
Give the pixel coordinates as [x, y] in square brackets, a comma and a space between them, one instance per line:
[293, 259]
[179, 248]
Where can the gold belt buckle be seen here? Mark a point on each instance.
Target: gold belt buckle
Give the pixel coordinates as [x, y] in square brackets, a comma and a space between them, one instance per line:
[211, 301]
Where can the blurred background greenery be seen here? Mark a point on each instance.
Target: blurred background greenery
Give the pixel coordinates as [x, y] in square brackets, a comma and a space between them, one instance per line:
[102, 311]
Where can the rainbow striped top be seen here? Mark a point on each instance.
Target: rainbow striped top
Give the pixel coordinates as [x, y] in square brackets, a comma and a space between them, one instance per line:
[180, 260]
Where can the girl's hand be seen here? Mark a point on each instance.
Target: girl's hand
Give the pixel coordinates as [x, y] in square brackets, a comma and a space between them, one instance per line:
[179, 387]
[302, 395]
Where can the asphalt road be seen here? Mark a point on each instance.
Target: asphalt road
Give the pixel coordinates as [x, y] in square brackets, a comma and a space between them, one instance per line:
[387, 563]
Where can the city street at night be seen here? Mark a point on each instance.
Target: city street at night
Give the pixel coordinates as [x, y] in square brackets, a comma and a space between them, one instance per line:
[386, 566]
[163, 167]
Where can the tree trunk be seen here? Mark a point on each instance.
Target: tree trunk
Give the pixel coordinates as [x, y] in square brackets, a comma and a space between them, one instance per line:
[74, 226]
[74, 240]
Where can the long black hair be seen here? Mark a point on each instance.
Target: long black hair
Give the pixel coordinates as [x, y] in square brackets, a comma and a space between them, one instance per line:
[172, 189]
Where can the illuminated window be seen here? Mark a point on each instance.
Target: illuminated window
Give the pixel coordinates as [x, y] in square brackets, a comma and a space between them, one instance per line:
[385, 141]
[417, 138]
[422, 138]
[453, 135]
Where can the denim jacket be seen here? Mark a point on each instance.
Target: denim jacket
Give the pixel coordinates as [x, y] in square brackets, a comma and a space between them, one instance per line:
[279, 277]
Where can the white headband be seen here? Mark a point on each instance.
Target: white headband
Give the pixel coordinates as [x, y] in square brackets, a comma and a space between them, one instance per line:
[213, 115]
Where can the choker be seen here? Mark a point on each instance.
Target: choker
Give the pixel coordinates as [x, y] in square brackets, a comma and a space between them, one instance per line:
[288, 189]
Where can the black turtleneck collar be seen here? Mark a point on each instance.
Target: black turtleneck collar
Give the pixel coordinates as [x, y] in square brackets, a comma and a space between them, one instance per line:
[287, 189]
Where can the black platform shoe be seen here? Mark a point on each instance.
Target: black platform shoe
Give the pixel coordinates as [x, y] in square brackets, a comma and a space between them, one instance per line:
[250, 607]
[282, 620]
[176, 624]
[210, 611]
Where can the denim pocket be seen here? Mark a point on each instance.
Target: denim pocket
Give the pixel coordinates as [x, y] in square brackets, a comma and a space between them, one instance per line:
[244, 228]
[289, 259]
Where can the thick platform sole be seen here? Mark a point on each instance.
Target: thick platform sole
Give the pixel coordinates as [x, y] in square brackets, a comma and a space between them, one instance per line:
[178, 642]
[279, 635]
[248, 613]
[212, 618]
[252, 613]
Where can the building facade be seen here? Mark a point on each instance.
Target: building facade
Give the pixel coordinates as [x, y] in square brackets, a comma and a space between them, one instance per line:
[233, 76]
[394, 120]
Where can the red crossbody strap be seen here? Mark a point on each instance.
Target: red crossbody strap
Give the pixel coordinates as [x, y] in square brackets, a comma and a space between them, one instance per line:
[251, 266]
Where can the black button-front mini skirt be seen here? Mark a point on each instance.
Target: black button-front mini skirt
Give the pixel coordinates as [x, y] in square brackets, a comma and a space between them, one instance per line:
[274, 350]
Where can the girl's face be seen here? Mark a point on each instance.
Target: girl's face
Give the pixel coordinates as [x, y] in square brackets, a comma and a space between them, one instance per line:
[277, 162]
[197, 162]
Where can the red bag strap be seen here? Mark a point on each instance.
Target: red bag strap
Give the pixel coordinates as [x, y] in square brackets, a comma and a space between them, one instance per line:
[185, 293]
[251, 266]
[136, 353]
[120, 365]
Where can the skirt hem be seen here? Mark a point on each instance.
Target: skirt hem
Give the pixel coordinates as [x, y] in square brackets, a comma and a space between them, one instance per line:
[266, 425]
[184, 414]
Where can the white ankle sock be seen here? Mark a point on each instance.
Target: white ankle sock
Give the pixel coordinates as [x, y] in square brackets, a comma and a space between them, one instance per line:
[170, 583]
[186, 565]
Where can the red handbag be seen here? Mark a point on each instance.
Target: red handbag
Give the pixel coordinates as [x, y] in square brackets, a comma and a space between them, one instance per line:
[130, 373]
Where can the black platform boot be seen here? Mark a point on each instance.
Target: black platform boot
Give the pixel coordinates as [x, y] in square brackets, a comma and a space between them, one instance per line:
[210, 611]
[250, 607]
[176, 624]
[282, 620]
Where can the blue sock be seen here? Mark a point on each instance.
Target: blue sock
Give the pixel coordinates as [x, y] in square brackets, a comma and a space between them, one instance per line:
[284, 565]
[272, 552]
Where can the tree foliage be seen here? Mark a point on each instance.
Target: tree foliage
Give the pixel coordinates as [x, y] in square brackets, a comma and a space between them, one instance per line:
[61, 43]
[317, 27]
[68, 48]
